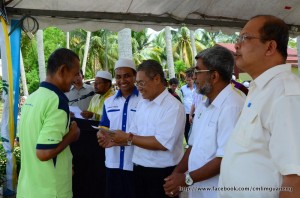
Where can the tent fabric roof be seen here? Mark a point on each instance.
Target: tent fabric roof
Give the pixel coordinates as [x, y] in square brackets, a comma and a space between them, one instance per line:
[227, 15]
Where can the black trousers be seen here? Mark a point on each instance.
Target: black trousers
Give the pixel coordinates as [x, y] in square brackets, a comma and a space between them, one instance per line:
[187, 128]
[119, 183]
[148, 182]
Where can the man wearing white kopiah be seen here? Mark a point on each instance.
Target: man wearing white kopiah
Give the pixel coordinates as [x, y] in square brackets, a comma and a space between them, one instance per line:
[213, 123]
[103, 90]
[156, 132]
[118, 113]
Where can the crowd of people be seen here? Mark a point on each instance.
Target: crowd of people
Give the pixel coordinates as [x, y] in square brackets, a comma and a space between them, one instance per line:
[240, 143]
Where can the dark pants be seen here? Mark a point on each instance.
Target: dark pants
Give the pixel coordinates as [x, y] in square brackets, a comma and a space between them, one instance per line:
[148, 182]
[187, 128]
[119, 183]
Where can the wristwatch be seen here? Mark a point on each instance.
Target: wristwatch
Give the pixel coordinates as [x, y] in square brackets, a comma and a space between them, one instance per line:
[188, 180]
[129, 140]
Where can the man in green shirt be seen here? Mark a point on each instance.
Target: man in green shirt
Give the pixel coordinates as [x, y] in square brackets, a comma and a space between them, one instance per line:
[46, 132]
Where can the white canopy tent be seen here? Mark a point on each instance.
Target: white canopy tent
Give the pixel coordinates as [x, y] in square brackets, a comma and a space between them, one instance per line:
[227, 15]
[212, 15]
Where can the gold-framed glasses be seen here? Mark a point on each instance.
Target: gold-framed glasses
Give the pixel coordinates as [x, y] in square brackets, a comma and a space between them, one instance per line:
[242, 38]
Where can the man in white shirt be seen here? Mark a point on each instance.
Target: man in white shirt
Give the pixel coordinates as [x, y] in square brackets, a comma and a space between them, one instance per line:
[118, 113]
[78, 90]
[213, 123]
[187, 94]
[263, 153]
[156, 132]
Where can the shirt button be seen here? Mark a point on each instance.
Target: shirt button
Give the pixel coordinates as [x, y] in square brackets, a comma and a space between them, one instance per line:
[124, 113]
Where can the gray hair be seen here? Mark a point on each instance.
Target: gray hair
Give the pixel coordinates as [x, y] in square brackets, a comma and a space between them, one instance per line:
[219, 59]
[151, 69]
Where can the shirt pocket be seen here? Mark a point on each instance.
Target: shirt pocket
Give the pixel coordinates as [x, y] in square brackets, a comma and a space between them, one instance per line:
[209, 139]
[247, 128]
[114, 117]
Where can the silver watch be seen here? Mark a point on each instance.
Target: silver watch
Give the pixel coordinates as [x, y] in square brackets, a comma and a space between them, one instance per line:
[188, 180]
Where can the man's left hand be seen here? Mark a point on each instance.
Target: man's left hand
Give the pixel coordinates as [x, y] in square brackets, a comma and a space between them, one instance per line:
[119, 137]
[173, 182]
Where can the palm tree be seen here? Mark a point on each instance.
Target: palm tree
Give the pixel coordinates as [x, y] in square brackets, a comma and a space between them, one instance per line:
[103, 51]
[41, 55]
[169, 51]
[182, 47]
[86, 51]
[141, 46]
[124, 41]
[23, 77]
[158, 50]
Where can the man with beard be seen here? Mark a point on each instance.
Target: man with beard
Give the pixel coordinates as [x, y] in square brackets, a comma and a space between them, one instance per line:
[103, 90]
[214, 120]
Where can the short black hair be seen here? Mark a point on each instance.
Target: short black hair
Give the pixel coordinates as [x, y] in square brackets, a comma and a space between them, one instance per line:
[275, 29]
[61, 56]
[189, 72]
[173, 81]
[151, 69]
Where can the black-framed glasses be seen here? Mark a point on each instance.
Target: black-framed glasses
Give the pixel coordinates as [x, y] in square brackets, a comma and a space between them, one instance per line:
[242, 38]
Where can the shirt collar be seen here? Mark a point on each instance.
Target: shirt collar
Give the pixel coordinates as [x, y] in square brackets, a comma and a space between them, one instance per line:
[135, 92]
[158, 100]
[218, 101]
[84, 86]
[53, 88]
[194, 86]
[265, 77]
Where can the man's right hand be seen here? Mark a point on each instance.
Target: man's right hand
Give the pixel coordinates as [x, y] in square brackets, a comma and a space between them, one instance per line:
[74, 132]
[87, 114]
[104, 139]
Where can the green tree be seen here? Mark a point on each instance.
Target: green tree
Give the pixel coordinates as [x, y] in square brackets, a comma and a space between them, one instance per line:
[157, 49]
[29, 52]
[103, 51]
[141, 46]
[182, 48]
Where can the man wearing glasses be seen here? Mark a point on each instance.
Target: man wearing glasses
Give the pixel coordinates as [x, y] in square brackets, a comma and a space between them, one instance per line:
[262, 155]
[156, 132]
[213, 122]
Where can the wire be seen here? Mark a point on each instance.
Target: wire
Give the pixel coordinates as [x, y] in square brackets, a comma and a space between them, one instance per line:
[28, 24]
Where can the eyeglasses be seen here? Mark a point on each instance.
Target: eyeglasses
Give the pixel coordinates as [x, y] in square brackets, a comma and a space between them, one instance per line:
[241, 38]
[201, 70]
[141, 83]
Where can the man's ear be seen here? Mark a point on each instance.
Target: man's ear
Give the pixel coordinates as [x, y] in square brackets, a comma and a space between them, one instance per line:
[271, 47]
[214, 76]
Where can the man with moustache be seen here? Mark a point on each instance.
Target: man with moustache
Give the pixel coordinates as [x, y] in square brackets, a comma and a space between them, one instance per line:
[119, 111]
[263, 153]
[156, 132]
[103, 90]
[214, 121]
